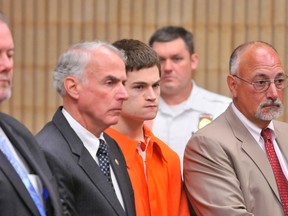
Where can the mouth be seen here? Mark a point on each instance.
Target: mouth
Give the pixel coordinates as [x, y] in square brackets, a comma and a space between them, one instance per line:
[151, 106]
[5, 82]
[116, 110]
[271, 105]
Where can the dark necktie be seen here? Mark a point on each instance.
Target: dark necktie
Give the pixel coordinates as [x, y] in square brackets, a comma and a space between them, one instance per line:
[22, 174]
[103, 158]
[277, 170]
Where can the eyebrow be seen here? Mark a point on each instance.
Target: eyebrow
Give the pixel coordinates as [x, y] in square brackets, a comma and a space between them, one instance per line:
[262, 75]
[140, 82]
[145, 83]
[113, 78]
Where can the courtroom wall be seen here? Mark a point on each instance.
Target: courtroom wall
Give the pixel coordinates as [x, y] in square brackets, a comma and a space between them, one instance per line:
[43, 29]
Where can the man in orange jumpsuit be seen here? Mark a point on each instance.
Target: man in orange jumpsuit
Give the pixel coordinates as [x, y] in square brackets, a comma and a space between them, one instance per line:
[153, 167]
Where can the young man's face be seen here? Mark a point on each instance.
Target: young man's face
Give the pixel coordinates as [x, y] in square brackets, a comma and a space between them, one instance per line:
[143, 89]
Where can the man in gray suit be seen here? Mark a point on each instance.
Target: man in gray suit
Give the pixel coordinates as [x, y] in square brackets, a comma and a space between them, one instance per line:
[228, 168]
[90, 78]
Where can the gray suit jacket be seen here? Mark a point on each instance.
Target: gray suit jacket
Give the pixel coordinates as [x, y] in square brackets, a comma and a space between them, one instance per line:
[83, 188]
[227, 173]
[14, 197]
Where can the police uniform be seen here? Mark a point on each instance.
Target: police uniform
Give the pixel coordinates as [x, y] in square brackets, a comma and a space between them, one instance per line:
[175, 124]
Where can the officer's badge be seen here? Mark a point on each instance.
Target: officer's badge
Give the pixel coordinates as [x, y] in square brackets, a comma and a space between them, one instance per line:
[204, 119]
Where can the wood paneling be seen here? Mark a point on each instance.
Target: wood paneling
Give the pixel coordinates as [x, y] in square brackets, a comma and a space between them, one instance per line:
[43, 29]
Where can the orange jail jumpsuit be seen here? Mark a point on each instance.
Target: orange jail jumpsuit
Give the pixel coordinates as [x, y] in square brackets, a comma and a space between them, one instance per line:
[156, 178]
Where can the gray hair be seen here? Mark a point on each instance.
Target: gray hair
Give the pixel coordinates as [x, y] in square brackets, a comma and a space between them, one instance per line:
[3, 18]
[237, 53]
[74, 60]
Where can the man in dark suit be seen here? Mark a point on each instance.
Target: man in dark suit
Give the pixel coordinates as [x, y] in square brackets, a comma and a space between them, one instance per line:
[27, 187]
[90, 78]
[229, 165]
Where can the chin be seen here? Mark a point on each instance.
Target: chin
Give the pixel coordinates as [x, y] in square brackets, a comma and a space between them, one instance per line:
[150, 117]
[5, 95]
[112, 121]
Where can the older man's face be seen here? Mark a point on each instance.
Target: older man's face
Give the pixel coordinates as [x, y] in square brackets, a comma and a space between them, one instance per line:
[6, 61]
[259, 64]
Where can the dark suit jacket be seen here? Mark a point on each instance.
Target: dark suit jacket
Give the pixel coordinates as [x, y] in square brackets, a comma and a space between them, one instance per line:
[82, 186]
[14, 198]
[227, 173]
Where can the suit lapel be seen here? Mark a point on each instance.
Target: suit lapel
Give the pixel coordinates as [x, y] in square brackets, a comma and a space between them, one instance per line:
[86, 162]
[118, 164]
[281, 138]
[11, 174]
[252, 149]
[99, 180]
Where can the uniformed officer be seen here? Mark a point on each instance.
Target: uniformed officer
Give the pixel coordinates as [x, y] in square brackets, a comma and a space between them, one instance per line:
[184, 107]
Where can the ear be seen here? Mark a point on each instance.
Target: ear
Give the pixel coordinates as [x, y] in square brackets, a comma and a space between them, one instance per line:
[194, 61]
[72, 86]
[232, 84]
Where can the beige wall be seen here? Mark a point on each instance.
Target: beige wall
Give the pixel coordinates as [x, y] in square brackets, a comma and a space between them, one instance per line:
[44, 28]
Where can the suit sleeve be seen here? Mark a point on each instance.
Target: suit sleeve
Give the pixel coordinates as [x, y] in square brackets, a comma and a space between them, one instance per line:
[210, 180]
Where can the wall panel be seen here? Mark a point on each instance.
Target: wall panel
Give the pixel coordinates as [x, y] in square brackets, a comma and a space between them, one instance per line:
[212, 45]
[225, 43]
[43, 29]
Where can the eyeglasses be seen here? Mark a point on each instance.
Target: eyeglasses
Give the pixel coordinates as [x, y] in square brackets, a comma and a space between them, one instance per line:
[263, 85]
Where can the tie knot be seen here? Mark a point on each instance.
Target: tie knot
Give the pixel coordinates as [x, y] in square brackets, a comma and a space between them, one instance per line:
[266, 134]
[103, 148]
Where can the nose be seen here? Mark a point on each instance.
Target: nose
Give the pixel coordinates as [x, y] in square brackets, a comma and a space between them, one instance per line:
[123, 94]
[6, 63]
[273, 91]
[150, 94]
[166, 65]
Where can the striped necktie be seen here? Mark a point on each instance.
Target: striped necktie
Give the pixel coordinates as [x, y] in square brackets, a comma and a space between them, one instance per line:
[22, 174]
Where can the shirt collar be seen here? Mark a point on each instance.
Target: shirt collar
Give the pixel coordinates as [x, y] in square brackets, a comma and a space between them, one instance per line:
[251, 127]
[130, 150]
[89, 140]
[185, 105]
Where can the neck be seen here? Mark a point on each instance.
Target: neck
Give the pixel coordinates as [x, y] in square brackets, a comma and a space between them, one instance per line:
[131, 129]
[85, 121]
[174, 98]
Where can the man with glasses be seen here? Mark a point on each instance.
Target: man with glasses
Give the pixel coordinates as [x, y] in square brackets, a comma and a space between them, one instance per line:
[237, 165]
